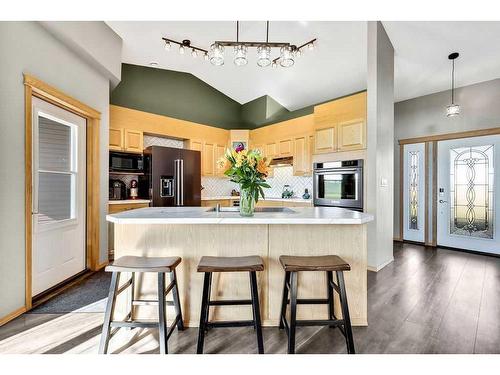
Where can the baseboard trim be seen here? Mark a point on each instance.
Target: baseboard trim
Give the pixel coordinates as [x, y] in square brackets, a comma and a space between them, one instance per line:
[14, 314]
[380, 266]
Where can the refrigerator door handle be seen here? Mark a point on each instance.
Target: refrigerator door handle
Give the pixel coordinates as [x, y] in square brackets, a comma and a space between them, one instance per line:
[181, 173]
[177, 178]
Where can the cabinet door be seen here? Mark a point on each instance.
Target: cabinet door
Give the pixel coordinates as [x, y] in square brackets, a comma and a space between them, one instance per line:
[271, 151]
[285, 147]
[208, 159]
[116, 139]
[219, 153]
[300, 158]
[352, 135]
[133, 141]
[325, 140]
[310, 150]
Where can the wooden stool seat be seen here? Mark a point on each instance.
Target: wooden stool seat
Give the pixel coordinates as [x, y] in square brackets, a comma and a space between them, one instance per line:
[231, 264]
[209, 265]
[313, 263]
[144, 264]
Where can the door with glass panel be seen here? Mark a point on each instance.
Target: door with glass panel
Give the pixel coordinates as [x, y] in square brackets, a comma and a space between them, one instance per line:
[414, 192]
[468, 194]
[58, 239]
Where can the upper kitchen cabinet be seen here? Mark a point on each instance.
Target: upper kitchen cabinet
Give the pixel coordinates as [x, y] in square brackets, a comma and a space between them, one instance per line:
[219, 153]
[271, 150]
[285, 148]
[208, 160]
[116, 139]
[134, 141]
[340, 125]
[126, 140]
[352, 135]
[302, 155]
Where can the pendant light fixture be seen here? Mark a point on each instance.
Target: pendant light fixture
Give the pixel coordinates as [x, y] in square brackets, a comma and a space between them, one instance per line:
[453, 109]
[240, 51]
[215, 54]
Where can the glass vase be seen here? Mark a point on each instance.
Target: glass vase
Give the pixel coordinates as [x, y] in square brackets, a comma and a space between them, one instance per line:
[247, 202]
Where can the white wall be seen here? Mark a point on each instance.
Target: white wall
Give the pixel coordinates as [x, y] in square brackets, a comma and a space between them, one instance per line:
[27, 47]
[379, 154]
[425, 115]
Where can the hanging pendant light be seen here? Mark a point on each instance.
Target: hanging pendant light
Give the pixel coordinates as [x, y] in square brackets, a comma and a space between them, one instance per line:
[453, 109]
[240, 50]
[286, 57]
[217, 54]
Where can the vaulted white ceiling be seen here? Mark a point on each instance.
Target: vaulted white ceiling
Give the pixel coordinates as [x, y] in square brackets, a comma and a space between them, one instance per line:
[336, 67]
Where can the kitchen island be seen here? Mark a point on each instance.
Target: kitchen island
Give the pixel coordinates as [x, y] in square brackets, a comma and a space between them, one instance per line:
[192, 232]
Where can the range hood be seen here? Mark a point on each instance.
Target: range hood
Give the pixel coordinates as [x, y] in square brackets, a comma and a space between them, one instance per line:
[282, 162]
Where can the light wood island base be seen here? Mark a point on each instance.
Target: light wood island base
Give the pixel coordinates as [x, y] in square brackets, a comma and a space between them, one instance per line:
[191, 241]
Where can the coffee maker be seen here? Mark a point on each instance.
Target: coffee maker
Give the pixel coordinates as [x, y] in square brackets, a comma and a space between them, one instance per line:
[117, 190]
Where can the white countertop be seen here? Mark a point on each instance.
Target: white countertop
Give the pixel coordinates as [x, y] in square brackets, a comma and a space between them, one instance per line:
[128, 201]
[203, 215]
[237, 197]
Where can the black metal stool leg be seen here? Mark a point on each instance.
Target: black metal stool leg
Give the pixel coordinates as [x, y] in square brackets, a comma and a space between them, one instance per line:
[203, 314]
[256, 311]
[331, 308]
[177, 302]
[110, 307]
[132, 296]
[293, 313]
[207, 315]
[284, 300]
[162, 324]
[345, 313]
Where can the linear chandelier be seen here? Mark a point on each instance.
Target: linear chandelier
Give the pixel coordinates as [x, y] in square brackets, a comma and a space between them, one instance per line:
[215, 54]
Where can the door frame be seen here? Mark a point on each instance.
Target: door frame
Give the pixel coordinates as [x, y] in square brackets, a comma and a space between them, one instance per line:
[433, 139]
[35, 87]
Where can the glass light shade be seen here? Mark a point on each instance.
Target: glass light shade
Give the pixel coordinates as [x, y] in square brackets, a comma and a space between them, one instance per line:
[217, 54]
[298, 53]
[181, 50]
[167, 46]
[286, 57]
[310, 46]
[194, 53]
[274, 65]
[205, 56]
[240, 55]
[452, 110]
[263, 56]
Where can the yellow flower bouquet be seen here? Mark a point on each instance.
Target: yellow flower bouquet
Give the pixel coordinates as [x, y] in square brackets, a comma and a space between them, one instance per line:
[249, 169]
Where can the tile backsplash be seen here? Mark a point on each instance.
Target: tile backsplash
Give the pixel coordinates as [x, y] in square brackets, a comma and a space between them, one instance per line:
[222, 186]
[282, 176]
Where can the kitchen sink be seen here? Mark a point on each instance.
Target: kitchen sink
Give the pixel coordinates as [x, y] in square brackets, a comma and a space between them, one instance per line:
[257, 209]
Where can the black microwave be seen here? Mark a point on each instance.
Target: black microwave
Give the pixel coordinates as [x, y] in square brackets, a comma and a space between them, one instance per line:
[125, 162]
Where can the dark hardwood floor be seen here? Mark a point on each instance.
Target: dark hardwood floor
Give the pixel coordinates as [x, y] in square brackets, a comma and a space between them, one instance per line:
[427, 301]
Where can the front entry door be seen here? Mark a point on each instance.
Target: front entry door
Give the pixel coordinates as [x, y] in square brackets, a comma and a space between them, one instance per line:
[58, 240]
[469, 194]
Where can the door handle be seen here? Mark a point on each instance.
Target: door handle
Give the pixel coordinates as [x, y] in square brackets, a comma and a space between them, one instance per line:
[442, 201]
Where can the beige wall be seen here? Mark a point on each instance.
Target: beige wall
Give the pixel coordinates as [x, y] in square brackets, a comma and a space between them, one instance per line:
[29, 47]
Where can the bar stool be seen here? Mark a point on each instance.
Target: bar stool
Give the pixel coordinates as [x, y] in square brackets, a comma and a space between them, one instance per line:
[209, 265]
[329, 264]
[134, 264]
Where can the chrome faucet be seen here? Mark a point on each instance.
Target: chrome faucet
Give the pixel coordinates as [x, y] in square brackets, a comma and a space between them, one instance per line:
[217, 207]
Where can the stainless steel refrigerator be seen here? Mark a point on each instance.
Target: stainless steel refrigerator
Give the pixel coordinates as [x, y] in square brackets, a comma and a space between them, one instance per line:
[172, 177]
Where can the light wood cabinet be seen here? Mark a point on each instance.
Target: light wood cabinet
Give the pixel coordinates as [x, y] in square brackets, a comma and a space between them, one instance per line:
[285, 148]
[126, 140]
[208, 159]
[115, 208]
[271, 150]
[219, 153]
[325, 140]
[300, 155]
[283, 203]
[116, 139]
[134, 141]
[352, 135]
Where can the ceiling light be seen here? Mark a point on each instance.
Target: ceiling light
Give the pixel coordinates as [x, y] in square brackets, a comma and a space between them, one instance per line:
[217, 54]
[240, 55]
[286, 57]
[453, 109]
[167, 46]
[274, 65]
[153, 63]
[263, 56]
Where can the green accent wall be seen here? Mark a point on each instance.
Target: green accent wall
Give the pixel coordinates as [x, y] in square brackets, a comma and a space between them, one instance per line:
[175, 94]
[186, 97]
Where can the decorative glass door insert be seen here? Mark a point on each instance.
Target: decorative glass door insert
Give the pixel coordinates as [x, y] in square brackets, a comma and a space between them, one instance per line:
[414, 192]
[471, 191]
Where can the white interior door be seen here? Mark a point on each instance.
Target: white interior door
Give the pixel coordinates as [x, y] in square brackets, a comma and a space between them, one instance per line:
[58, 247]
[414, 192]
[468, 192]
